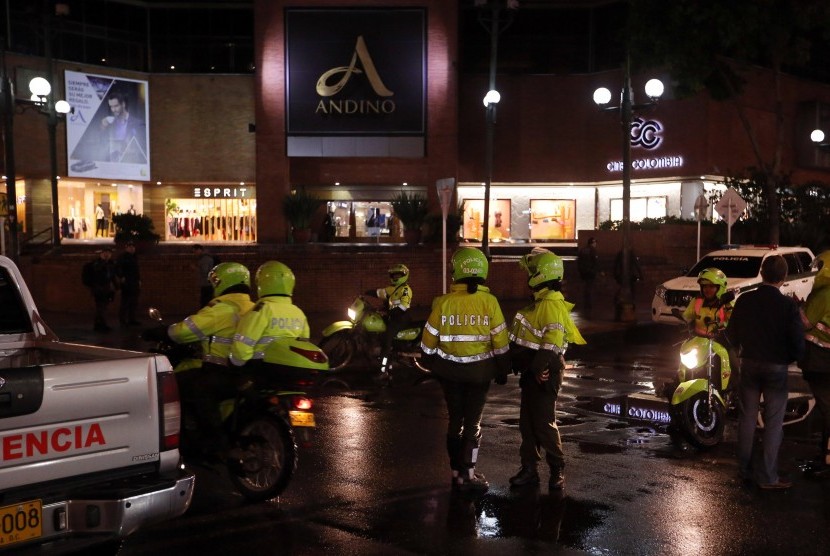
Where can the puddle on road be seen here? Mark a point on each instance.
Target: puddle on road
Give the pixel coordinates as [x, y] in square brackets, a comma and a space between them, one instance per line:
[530, 515]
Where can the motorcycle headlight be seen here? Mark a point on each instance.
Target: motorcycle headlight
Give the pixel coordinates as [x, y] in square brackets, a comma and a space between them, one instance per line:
[660, 292]
[689, 359]
[352, 313]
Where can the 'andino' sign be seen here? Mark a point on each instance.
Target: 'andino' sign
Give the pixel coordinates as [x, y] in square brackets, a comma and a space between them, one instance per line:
[355, 72]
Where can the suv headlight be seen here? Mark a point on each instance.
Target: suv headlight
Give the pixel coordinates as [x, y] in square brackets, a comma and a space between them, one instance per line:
[661, 292]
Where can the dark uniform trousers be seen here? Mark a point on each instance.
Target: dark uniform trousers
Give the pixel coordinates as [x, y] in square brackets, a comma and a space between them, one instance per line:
[537, 421]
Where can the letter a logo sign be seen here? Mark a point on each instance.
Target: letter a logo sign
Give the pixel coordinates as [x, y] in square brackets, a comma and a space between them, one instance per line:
[360, 53]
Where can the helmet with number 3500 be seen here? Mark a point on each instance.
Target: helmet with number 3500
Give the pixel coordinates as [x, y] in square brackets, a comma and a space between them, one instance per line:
[226, 275]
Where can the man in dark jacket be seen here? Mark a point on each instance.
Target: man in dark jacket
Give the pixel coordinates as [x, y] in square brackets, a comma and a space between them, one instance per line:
[129, 280]
[767, 330]
[101, 284]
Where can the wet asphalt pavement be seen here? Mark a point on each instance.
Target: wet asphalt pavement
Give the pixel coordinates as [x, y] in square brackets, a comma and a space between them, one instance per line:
[376, 478]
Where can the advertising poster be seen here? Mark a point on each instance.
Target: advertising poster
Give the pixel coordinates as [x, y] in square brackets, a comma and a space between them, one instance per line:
[474, 219]
[550, 219]
[107, 135]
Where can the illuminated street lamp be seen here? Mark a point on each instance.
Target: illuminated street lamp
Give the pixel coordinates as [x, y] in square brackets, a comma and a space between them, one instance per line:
[53, 110]
[818, 138]
[602, 96]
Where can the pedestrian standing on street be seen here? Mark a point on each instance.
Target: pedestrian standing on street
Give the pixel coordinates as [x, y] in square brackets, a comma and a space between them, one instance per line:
[204, 264]
[465, 342]
[99, 277]
[816, 362]
[100, 221]
[128, 274]
[587, 264]
[539, 337]
[635, 274]
[767, 330]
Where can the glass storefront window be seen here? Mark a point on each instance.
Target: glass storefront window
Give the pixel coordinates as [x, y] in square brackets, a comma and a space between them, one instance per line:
[552, 219]
[474, 219]
[640, 208]
[374, 220]
[210, 219]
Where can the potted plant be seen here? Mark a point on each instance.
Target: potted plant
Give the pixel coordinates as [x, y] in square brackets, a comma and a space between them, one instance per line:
[299, 207]
[411, 209]
[137, 228]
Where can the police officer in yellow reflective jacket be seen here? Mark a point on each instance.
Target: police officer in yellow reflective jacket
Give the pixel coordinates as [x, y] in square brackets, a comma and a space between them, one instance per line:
[214, 326]
[466, 346]
[398, 298]
[274, 316]
[539, 336]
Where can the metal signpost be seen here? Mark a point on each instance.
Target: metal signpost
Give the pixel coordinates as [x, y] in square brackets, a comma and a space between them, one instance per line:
[701, 208]
[730, 207]
[445, 188]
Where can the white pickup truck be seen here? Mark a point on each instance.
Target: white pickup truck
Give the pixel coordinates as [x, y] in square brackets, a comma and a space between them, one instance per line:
[89, 436]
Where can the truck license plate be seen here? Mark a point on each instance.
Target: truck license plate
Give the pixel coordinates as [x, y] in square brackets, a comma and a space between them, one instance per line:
[301, 419]
[20, 522]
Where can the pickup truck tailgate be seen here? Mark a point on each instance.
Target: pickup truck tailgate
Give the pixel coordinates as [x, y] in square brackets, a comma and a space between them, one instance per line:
[95, 414]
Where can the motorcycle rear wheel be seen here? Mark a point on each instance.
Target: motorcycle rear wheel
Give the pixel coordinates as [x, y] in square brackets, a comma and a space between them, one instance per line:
[339, 348]
[703, 428]
[269, 459]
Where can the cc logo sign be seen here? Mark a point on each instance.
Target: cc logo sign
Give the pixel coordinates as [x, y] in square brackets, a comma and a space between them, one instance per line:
[645, 134]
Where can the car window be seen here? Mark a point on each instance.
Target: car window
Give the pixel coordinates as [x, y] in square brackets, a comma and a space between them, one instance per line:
[13, 316]
[805, 260]
[793, 266]
[734, 266]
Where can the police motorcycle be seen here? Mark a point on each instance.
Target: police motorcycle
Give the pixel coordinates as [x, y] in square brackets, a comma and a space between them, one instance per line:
[362, 336]
[265, 420]
[703, 396]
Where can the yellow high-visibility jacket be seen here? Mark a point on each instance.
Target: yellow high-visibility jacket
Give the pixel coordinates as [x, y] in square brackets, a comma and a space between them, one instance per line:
[546, 324]
[396, 297]
[271, 318]
[214, 326]
[468, 334]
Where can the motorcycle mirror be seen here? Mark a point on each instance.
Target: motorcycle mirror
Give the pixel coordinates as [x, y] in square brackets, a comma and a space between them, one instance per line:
[154, 314]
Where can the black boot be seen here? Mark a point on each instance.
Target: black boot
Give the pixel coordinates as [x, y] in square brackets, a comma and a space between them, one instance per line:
[454, 447]
[557, 478]
[468, 479]
[527, 475]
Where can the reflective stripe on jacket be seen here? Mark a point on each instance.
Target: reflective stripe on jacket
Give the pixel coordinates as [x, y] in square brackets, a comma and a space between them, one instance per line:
[397, 297]
[546, 324]
[273, 317]
[465, 327]
[214, 326]
[699, 313]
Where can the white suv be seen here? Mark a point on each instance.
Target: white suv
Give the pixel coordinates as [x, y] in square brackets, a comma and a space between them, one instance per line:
[742, 266]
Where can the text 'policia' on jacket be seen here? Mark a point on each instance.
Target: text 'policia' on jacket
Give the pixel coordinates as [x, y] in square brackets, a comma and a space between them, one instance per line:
[473, 331]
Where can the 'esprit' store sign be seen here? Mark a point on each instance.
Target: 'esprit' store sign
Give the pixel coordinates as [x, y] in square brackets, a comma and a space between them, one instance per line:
[220, 192]
[647, 134]
[355, 72]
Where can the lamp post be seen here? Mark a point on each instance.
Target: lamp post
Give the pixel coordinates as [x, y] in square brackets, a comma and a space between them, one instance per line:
[491, 101]
[491, 14]
[602, 96]
[7, 107]
[43, 100]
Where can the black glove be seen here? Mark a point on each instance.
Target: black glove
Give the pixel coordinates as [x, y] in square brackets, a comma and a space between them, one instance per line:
[500, 379]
